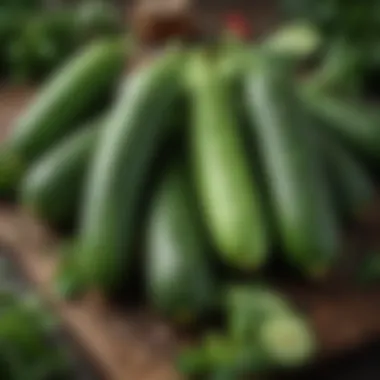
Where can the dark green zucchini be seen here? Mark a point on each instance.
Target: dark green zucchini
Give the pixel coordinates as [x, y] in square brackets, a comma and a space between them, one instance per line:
[352, 182]
[179, 278]
[52, 188]
[355, 124]
[68, 97]
[300, 196]
[229, 195]
[138, 126]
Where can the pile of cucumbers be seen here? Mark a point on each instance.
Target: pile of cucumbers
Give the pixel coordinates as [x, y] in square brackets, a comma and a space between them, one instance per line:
[35, 40]
[189, 172]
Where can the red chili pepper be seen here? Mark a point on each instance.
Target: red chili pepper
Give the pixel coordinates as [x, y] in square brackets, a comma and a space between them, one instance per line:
[238, 25]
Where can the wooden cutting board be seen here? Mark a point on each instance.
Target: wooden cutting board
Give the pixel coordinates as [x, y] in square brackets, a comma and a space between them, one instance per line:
[135, 345]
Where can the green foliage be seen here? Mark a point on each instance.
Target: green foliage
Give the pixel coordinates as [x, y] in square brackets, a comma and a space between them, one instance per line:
[354, 19]
[26, 352]
[34, 41]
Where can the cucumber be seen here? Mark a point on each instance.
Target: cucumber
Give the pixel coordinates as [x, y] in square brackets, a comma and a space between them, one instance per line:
[137, 128]
[287, 341]
[340, 71]
[232, 56]
[260, 318]
[301, 201]
[52, 187]
[351, 181]
[248, 306]
[227, 191]
[179, 278]
[70, 94]
[353, 123]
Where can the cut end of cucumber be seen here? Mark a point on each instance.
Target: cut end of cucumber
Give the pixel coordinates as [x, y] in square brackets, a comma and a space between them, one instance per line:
[11, 171]
[299, 39]
[200, 64]
[287, 340]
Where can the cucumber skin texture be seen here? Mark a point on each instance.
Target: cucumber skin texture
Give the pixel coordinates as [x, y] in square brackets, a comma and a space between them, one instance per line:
[229, 196]
[69, 93]
[52, 187]
[179, 278]
[350, 122]
[137, 126]
[353, 185]
[301, 201]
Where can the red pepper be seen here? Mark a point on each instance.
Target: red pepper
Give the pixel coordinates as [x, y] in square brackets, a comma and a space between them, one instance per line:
[237, 24]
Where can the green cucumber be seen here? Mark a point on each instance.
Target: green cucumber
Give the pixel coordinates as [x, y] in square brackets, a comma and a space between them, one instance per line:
[300, 198]
[228, 192]
[340, 71]
[259, 318]
[249, 306]
[355, 124]
[287, 341]
[138, 126]
[70, 94]
[351, 181]
[179, 279]
[52, 187]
